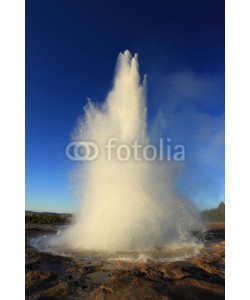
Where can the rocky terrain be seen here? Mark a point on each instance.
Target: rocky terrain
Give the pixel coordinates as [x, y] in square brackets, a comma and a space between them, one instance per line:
[51, 276]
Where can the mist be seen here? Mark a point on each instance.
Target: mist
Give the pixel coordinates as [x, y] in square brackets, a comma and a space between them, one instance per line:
[126, 205]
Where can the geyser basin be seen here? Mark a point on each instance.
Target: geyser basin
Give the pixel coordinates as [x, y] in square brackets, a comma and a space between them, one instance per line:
[127, 205]
[170, 253]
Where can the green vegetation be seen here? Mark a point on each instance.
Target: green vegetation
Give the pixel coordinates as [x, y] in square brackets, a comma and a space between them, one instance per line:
[214, 214]
[47, 218]
[208, 215]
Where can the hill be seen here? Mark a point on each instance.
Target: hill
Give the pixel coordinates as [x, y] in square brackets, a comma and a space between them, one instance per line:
[214, 214]
[32, 217]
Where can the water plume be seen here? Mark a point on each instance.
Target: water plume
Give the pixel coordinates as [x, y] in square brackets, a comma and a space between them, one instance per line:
[126, 205]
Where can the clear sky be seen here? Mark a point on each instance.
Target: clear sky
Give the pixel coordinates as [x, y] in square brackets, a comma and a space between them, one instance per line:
[71, 52]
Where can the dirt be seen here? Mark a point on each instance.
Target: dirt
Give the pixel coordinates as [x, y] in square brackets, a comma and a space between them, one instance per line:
[50, 276]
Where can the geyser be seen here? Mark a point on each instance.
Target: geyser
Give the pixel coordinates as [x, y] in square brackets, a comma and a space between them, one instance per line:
[126, 205]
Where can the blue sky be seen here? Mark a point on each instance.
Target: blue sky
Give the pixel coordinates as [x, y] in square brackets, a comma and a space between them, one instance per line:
[71, 52]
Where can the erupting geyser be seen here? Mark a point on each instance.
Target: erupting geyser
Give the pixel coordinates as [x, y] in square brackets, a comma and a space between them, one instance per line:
[126, 205]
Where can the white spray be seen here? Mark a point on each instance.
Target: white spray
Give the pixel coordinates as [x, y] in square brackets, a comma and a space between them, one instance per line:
[126, 205]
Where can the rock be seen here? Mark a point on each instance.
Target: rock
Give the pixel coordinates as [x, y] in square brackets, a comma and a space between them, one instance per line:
[59, 291]
[35, 278]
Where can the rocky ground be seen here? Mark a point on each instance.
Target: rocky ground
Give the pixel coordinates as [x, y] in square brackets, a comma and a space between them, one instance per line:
[56, 277]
